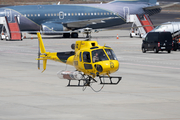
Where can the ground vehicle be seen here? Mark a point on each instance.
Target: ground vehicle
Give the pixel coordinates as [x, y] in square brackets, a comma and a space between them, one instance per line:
[157, 41]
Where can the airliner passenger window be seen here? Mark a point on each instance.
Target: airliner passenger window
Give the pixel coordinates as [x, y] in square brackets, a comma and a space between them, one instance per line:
[88, 13]
[91, 13]
[54, 14]
[38, 14]
[94, 13]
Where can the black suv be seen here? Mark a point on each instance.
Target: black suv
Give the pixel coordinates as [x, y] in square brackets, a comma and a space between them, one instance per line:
[157, 41]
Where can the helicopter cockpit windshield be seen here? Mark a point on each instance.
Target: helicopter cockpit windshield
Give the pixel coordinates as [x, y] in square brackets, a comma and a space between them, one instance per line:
[111, 54]
[99, 55]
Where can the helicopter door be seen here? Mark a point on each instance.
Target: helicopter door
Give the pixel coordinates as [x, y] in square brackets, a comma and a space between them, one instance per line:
[87, 60]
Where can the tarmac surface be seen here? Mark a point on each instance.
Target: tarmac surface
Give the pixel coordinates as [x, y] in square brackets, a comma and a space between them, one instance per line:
[149, 89]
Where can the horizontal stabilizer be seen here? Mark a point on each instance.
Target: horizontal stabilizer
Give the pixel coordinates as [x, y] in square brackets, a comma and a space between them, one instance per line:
[135, 1]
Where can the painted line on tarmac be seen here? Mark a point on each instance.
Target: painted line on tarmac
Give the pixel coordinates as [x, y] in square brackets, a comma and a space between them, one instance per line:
[151, 66]
[146, 61]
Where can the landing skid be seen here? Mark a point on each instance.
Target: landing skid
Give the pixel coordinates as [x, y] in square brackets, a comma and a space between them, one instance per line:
[110, 80]
[89, 80]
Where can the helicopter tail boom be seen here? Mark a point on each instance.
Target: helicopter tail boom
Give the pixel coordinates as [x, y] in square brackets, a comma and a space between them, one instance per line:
[64, 57]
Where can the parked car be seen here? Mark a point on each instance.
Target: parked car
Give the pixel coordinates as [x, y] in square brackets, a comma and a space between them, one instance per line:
[157, 41]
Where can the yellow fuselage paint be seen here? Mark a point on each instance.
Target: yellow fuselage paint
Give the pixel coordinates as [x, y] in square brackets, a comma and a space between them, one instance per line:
[78, 61]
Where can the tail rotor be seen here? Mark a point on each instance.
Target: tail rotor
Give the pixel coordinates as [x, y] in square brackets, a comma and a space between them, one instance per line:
[39, 55]
[42, 54]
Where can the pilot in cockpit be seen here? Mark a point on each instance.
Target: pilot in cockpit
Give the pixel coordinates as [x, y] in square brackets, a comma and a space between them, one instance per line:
[95, 58]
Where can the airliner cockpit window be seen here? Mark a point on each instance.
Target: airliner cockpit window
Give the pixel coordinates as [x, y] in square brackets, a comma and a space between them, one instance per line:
[99, 55]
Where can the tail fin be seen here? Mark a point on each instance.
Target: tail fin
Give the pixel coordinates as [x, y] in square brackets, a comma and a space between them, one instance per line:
[135, 1]
[41, 44]
[43, 52]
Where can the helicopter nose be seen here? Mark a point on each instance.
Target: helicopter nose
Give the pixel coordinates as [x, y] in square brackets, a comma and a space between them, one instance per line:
[114, 66]
[107, 67]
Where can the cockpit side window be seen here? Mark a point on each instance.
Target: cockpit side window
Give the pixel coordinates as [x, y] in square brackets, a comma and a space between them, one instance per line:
[99, 55]
[111, 54]
[86, 57]
[80, 59]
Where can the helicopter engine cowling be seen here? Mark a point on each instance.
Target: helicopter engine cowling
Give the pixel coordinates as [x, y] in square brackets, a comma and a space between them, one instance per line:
[73, 46]
[75, 75]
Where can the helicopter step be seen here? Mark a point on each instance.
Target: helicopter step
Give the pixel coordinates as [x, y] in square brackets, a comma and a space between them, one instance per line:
[103, 81]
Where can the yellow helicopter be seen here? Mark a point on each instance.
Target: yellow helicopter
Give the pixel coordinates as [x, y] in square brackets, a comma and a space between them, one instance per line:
[90, 60]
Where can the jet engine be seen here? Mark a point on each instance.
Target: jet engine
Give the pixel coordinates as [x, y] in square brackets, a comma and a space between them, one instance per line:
[52, 28]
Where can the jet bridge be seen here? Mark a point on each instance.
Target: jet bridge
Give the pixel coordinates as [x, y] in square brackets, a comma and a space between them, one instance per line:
[10, 31]
[140, 25]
